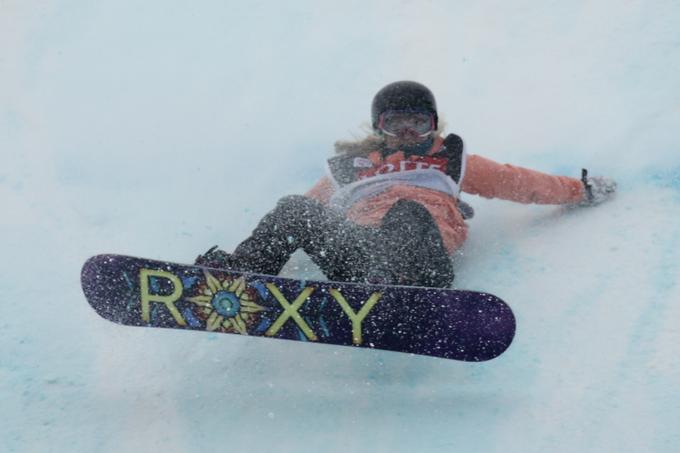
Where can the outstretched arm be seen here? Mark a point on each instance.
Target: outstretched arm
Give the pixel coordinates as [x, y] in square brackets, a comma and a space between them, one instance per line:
[490, 179]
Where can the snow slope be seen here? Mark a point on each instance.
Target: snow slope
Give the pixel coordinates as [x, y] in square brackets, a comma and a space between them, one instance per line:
[161, 128]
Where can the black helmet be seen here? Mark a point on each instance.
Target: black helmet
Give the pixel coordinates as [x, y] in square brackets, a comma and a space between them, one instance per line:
[404, 95]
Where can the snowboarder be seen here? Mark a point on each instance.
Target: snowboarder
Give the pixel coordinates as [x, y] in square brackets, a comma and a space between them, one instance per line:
[389, 210]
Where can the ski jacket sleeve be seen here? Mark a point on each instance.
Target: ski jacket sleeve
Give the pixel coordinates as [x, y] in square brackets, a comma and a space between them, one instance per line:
[490, 179]
[322, 190]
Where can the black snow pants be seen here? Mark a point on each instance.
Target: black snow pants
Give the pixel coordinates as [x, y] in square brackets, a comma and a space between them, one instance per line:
[405, 249]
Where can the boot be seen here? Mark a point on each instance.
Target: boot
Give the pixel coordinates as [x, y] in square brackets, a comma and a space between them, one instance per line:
[216, 258]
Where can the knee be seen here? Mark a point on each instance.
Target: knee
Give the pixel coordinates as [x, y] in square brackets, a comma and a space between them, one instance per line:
[290, 201]
[297, 205]
[408, 206]
[409, 219]
[408, 211]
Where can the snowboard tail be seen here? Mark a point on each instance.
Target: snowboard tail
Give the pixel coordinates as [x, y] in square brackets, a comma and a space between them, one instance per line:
[452, 324]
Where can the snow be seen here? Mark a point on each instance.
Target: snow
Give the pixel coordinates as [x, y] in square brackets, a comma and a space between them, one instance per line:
[158, 129]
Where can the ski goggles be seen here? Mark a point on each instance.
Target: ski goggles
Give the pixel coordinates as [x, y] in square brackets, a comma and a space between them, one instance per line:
[397, 122]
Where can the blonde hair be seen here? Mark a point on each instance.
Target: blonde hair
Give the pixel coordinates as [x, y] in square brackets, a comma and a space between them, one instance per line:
[371, 142]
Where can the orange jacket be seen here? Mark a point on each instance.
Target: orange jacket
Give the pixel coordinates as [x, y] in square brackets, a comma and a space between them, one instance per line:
[482, 177]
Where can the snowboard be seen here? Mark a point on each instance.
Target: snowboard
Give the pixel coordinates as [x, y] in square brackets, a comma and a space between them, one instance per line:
[446, 323]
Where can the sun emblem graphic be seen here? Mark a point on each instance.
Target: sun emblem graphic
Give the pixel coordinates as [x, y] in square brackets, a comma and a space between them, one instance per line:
[227, 305]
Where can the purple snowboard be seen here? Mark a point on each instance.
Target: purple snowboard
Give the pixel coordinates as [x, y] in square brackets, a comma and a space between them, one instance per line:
[452, 324]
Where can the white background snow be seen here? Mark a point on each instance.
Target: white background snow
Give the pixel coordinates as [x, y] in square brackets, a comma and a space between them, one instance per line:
[160, 128]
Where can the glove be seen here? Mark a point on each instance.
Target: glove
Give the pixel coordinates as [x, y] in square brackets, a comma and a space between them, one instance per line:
[598, 189]
[465, 210]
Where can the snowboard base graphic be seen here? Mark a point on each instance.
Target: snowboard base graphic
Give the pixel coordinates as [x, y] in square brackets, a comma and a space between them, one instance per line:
[452, 324]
